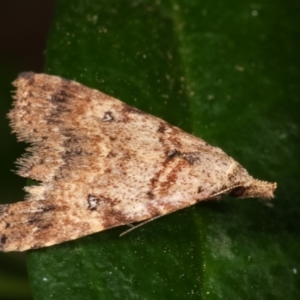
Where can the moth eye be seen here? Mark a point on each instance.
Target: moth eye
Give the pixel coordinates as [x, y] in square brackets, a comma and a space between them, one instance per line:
[237, 192]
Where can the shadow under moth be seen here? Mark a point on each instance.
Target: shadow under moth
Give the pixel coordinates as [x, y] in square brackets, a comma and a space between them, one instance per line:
[102, 164]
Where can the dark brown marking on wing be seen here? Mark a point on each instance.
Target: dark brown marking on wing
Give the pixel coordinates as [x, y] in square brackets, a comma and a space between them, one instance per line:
[3, 239]
[150, 195]
[191, 157]
[200, 190]
[173, 153]
[161, 128]
[115, 218]
[60, 98]
[108, 117]
[48, 208]
[112, 154]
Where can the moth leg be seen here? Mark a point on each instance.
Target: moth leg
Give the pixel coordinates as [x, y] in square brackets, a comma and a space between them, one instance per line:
[132, 227]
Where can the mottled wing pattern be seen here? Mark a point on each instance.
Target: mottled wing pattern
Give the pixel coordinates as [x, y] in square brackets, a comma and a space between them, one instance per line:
[101, 163]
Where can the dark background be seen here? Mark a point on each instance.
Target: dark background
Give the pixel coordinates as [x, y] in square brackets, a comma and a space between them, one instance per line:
[23, 32]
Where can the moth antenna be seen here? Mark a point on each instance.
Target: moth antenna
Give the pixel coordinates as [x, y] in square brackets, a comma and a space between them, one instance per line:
[224, 191]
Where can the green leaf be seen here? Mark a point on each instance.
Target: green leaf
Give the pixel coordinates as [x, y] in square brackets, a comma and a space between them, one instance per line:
[224, 71]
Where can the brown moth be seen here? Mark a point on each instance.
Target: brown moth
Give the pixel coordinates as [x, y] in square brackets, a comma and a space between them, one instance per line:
[102, 163]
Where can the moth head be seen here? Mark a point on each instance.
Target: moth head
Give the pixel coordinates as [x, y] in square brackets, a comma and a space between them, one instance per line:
[254, 189]
[242, 185]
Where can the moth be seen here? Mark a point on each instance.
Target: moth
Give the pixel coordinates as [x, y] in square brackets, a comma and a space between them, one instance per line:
[102, 163]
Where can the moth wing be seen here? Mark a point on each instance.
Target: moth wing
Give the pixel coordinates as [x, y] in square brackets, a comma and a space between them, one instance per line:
[101, 164]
